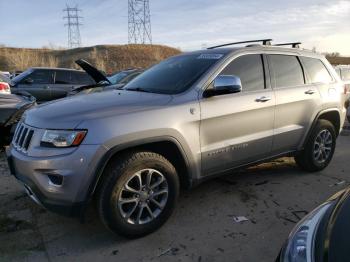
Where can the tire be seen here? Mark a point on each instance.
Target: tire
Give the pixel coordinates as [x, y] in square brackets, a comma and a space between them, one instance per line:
[309, 159]
[127, 170]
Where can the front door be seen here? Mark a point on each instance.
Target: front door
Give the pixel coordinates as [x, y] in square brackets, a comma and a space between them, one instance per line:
[237, 129]
[38, 84]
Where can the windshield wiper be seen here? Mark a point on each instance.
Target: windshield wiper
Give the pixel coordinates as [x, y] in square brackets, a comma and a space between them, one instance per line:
[139, 89]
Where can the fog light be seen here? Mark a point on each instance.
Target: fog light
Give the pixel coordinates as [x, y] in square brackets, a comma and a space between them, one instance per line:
[56, 180]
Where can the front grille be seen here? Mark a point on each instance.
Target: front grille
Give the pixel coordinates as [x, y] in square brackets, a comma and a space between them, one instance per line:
[23, 136]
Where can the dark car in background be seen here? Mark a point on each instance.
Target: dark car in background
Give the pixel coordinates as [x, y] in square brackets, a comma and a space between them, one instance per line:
[47, 84]
[103, 82]
[322, 235]
[11, 109]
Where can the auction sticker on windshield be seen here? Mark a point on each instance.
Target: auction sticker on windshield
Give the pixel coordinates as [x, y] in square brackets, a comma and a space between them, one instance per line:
[210, 56]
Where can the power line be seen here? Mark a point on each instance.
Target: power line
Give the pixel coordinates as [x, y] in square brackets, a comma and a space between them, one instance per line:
[139, 22]
[73, 23]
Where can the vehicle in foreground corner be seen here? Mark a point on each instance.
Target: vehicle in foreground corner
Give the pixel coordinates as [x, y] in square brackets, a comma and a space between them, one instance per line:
[103, 82]
[322, 235]
[182, 121]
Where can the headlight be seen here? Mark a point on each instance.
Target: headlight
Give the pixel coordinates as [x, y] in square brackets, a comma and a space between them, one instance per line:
[62, 138]
[301, 241]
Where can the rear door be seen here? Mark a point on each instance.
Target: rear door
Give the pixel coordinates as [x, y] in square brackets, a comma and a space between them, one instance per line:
[296, 102]
[237, 129]
[63, 84]
[38, 84]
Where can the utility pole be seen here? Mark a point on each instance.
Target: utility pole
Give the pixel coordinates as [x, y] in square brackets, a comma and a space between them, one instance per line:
[139, 22]
[73, 23]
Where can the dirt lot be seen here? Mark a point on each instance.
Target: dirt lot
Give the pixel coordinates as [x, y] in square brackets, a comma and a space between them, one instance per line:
[272, 196]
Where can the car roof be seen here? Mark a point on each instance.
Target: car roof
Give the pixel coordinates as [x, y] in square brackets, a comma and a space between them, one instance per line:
[56, 68]
[262, 48]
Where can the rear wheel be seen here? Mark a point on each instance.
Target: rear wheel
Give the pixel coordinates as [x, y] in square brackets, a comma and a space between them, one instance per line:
[138, 193]
[319, 149]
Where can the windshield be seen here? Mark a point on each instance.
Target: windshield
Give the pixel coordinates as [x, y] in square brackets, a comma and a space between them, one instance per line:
[18, 78]
[115, 79]
[174, 75]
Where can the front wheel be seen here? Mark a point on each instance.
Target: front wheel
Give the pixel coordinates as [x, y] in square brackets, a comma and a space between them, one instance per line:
[319, 148]
[138, 193]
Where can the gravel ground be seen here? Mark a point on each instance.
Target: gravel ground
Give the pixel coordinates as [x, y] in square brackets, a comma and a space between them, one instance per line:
[273, 196]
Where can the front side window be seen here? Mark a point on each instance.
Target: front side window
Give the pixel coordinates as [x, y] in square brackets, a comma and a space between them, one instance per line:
[316, 71]
[287, 71]
[249, 68]
[41, 77]
[174, 75]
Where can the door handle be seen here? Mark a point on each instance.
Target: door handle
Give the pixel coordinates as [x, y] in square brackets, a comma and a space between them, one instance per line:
[263, 99]
[309, 92]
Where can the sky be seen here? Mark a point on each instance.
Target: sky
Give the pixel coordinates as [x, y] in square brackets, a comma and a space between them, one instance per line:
[184, 24]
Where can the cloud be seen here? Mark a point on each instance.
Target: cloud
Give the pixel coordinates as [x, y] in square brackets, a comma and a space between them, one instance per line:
[185, 24]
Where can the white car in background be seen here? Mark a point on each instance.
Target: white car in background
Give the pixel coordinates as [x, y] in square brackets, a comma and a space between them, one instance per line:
[4, 84]
[344, 73]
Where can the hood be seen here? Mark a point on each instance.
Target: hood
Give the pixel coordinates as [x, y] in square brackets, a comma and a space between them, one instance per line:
[96, 74]
[68, 113]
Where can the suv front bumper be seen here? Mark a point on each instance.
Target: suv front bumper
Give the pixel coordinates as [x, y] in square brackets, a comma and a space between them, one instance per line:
[76, 168]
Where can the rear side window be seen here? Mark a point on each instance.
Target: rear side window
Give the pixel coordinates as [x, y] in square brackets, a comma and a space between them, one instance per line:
[287, 71]
[63, 77]
[81, 78]
[345, 74]
[316, 71]
[41, 77]
[249, 68]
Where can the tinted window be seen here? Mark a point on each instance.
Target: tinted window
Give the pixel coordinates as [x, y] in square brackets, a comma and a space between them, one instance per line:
[287, 70]
[129, 78]
[63, 77]
[81, 78]
[174, 75]
[249, 68]
[41, 77]
[345, 73]
[116, 78]
[316, 70]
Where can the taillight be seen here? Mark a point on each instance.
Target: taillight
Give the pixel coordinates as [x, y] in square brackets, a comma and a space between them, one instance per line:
[346, 89]
[4, 87]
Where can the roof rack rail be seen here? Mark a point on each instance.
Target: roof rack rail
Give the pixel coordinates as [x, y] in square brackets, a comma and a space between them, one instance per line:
[294, 45]
[264, 42]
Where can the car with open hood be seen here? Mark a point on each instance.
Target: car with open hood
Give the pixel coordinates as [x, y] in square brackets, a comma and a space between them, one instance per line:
[103, 82]
[46, 84]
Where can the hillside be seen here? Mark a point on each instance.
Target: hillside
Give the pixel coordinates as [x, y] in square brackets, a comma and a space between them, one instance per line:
[109, 58]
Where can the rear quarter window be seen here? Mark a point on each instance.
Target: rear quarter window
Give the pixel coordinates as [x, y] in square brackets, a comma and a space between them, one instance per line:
[81, 78]
[287, 71]
[316, 71]
[345, 74]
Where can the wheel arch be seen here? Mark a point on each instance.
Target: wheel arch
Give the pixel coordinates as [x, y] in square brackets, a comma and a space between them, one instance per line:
[332, 115]
[164, 146]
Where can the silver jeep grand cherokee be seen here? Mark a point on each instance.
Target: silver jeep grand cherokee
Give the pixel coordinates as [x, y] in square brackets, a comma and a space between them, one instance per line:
[182, 121]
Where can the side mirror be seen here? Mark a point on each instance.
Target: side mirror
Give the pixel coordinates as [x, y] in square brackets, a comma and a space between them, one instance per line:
[29, 81]
[224, 84]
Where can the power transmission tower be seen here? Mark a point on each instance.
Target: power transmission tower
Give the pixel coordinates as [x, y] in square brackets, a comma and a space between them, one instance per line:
[73, 23]
[139, 22]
